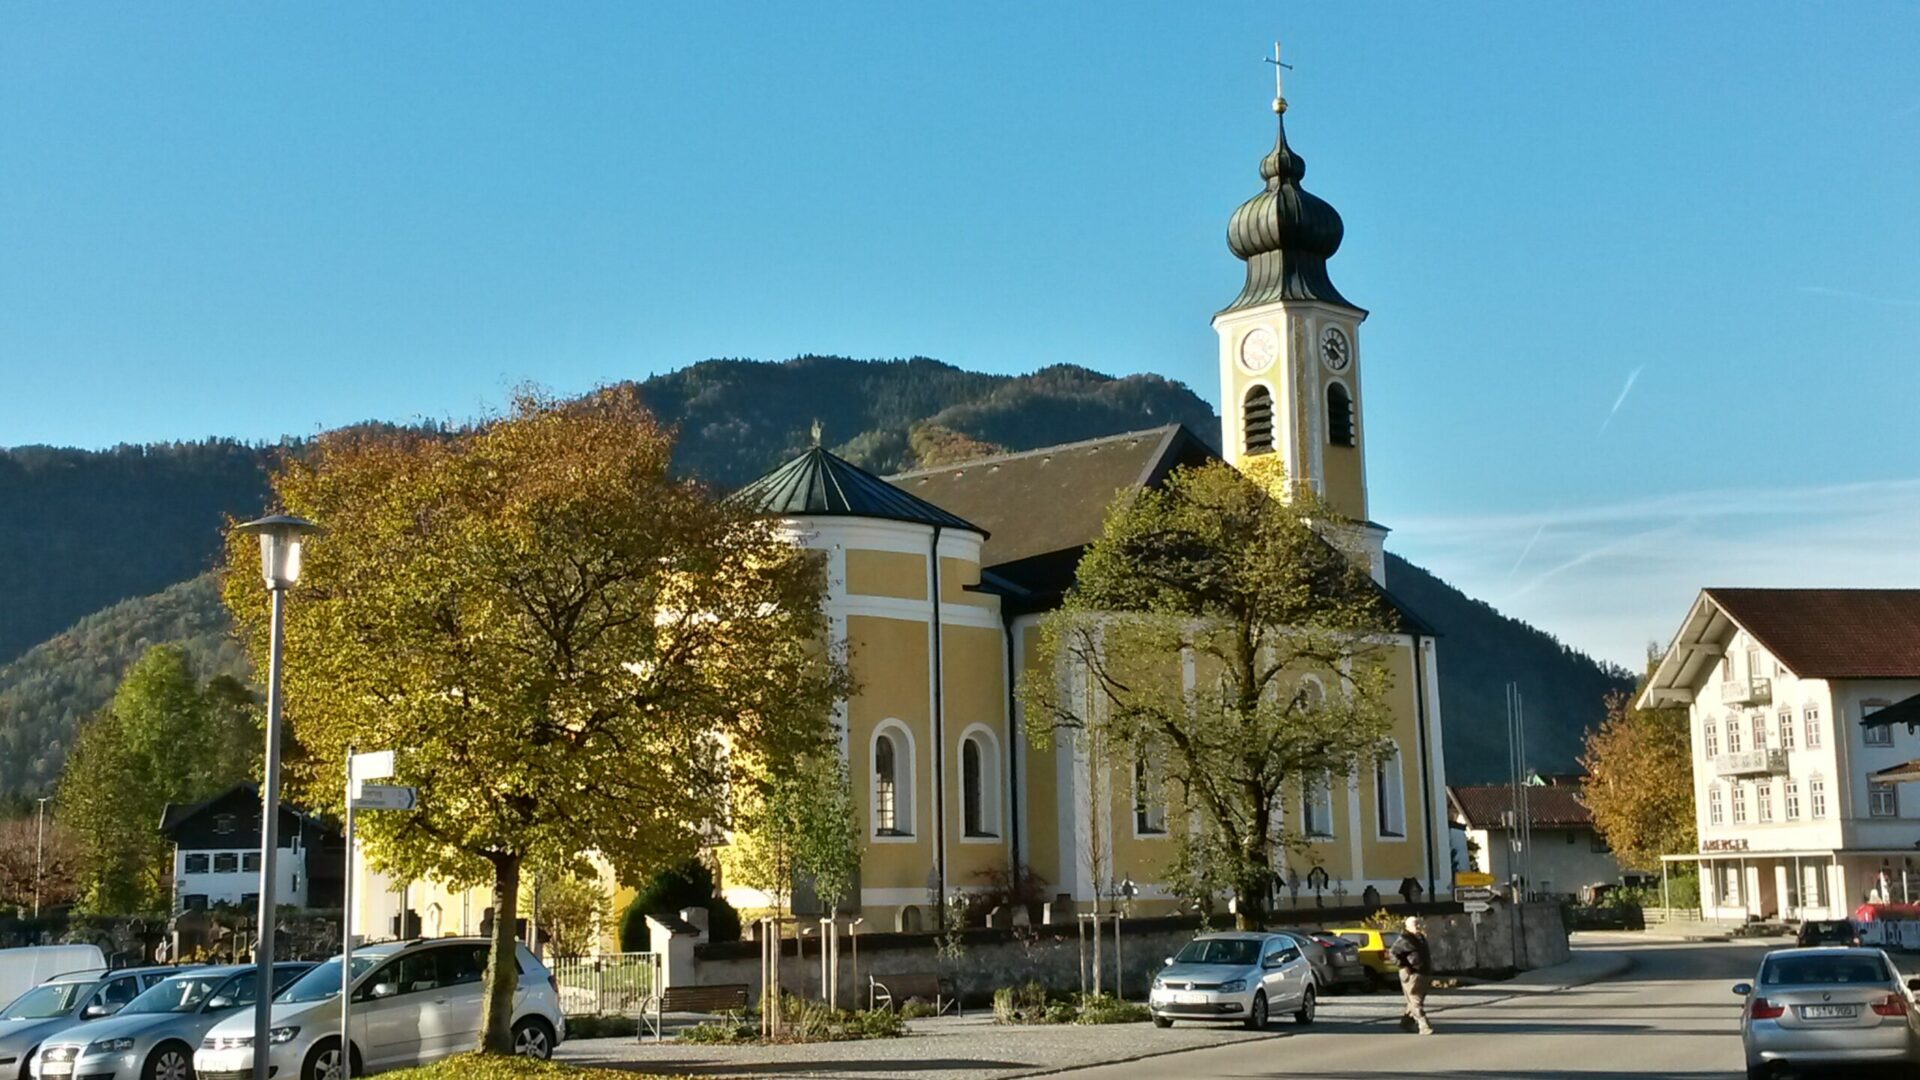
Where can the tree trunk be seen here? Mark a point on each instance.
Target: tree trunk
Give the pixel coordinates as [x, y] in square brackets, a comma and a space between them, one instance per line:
[503, 967]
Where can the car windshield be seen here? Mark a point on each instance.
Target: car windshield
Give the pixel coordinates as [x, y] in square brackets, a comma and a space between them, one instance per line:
[324, 981]
[1843, 969]
[180, 994]
[1241, 952]
[47, 1001]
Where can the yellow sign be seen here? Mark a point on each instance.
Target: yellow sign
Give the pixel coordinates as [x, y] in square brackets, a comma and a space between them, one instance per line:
[1468, 879]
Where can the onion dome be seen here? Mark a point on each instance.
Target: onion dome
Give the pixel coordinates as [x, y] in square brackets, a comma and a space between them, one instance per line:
[1285, 234]
[819, 483]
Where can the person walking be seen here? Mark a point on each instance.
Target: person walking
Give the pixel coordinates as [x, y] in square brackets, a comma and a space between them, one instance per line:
[1415, 961]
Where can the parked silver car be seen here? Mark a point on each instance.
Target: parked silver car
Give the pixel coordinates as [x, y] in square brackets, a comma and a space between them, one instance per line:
[414, 1002]
[1245, 977]
[1827, 1008]
[61, 1002]
[154, 1036]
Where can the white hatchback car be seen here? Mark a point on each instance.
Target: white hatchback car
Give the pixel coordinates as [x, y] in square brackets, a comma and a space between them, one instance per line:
[1241, 976]
[413, 1002]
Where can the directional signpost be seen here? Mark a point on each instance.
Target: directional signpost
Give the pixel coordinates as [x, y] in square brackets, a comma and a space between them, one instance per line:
[1475, 898]
[362, 795]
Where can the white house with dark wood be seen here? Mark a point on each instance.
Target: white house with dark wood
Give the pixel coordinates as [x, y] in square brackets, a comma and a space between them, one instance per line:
[216, 854]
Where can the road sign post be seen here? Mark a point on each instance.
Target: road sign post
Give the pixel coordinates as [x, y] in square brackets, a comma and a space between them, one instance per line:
[1474, 898]
[377, 765]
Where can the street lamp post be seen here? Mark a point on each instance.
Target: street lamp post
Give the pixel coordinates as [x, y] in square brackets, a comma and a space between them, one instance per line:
[39, 845]
[280, 539]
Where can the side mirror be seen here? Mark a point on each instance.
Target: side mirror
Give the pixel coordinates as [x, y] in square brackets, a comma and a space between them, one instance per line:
[1168, 963]
[384, 990]
[1743, 989]
[97, 1010]
[220, 1001]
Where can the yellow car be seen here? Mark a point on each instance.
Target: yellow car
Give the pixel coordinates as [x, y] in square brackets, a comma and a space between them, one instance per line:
[1373, 946]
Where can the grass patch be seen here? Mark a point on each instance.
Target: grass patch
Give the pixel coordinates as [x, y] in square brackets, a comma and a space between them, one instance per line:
[504, 1067]
[1030, 1004]
[802, 1021]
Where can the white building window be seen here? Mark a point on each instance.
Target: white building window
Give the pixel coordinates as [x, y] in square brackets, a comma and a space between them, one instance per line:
[1883, 800]
[1812, 715]
[196, 864]
[1817, 796]
[1786, 729]
[1389, 795]
[1712, 738]
[1733, 734]
[1149, 802]
[1759, 722]
[1793, 799]
[892, 780]
[1316, 807]
[979, 784]
[1716, 812]
[1875, 734]
[1739, 803]
[1763, 801]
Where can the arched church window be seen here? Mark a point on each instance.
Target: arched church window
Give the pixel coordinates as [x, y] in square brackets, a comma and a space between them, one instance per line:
[892, 782]
[1339, 415]
[1256, 414]
[979, 785]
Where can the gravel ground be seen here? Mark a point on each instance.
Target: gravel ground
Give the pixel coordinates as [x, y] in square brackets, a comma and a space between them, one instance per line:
[974, 1048]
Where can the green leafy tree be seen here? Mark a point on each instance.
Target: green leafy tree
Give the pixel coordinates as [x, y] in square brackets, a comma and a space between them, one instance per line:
[557, 636]
[1281, 626]
[572, 912]
[166, 738]
[687, 885]
[1640, 786]
[800, 826]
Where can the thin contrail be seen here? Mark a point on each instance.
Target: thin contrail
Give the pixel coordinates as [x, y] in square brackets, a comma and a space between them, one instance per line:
[1528, 550]
[1632, 377]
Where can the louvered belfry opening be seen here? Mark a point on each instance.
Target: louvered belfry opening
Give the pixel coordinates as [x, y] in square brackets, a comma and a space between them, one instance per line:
[1256, 413]
[1339, 415]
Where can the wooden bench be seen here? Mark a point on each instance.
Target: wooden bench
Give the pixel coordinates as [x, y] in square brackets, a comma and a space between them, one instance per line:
[894, 991]
[725, 999]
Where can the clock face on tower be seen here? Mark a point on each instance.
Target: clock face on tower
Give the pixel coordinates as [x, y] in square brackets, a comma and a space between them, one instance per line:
[1335, 350]
[1258, 350]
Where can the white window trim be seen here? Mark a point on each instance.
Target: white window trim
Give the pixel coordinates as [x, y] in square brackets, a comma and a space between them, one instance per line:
[1892, 791]
[1398, 802]
[1716, 805]
[1810, 715]
[1322, 787]
[1165, 832]
[991, 793]
[1816, 797]
[906, 790]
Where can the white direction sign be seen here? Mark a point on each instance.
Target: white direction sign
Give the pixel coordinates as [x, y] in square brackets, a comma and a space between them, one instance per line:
[376, 765]
[1476, 907]
[385, 797]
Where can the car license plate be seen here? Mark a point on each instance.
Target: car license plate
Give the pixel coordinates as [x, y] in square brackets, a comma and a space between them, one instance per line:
[1830, 1012]
[1190, 999]
[56, 1068]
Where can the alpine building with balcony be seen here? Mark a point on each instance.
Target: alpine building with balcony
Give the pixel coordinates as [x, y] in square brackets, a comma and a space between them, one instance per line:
[1804, 706]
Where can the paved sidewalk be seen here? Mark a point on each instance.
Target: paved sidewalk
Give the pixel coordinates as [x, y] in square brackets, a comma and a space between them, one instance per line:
[975, 1048]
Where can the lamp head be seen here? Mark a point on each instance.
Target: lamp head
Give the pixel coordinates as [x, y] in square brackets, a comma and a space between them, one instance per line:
[281, 536]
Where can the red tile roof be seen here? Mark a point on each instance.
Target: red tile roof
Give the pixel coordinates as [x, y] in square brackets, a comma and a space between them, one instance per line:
[1486, 807]
[1832, 633]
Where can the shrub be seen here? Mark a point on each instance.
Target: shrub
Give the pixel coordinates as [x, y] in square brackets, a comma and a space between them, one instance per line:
[601, 1027]
[1060, 1012]
[1107, 1009]
[720, 1032]
[1023, 1004]
[688, 885]
[916, 1009]
[1384, 920]
[504, 1067]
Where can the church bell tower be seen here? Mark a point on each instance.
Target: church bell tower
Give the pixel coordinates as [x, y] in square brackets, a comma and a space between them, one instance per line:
[1290, 347]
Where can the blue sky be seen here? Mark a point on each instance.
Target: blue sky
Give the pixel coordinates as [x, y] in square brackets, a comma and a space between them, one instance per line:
[262, 219]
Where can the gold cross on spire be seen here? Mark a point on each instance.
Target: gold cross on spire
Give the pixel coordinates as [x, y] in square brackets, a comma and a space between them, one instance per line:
[1279, 86]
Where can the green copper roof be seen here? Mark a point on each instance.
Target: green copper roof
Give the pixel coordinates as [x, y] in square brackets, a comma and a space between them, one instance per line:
[820, 484]
[1285, 234]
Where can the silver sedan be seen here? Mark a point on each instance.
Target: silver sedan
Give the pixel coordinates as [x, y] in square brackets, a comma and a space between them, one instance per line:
[1827, 1008]
[153, 1037]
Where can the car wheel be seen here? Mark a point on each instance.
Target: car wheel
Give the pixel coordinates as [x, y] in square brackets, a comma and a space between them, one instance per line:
[533, 1038]
[1163, 1021]
[323, 1062]
[1304, 1015]
[1257, 1015]
[172, 1061]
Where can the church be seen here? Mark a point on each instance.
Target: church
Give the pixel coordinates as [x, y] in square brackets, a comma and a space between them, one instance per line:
[937, 582]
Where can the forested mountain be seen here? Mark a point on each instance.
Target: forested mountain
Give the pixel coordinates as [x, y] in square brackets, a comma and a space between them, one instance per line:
[1481, 651]
[47, 692]
[83, 531]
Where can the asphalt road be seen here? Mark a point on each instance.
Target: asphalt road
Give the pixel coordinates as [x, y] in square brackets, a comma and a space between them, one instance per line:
[1670, 1015]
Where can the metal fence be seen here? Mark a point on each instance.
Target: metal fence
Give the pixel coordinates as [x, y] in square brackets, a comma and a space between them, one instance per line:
[611, 984]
